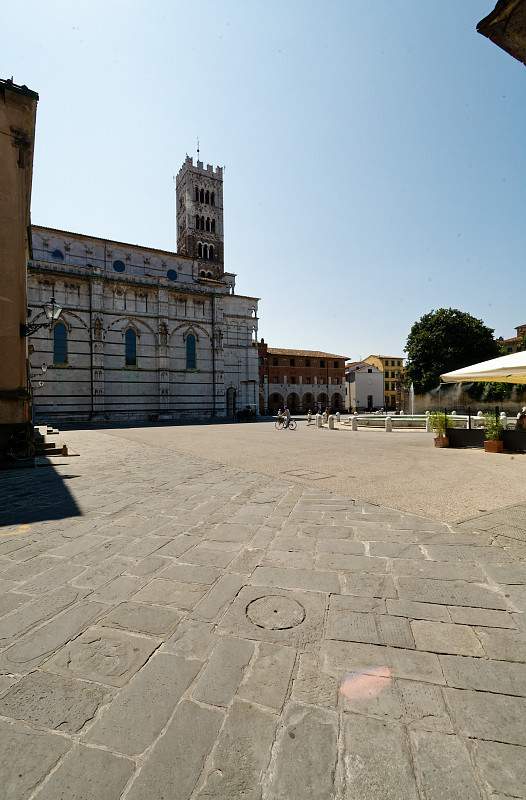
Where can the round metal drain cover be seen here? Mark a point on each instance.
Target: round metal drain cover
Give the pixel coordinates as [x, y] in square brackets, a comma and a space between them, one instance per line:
[275, 613]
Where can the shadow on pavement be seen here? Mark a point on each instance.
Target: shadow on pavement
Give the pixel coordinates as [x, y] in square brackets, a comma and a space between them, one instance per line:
[35, 495]
[96, 425]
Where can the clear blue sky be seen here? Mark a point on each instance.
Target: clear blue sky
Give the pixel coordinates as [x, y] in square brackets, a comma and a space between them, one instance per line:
[375, 152]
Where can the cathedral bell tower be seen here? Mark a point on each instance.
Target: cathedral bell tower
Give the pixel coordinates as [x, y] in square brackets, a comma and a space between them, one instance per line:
[199, 200]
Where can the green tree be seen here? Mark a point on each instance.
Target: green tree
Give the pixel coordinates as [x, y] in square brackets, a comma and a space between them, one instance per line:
[444, 340]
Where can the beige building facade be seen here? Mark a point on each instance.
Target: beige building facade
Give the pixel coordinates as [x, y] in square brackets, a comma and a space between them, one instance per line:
[515, 343]
[18, 106]
[392, 368]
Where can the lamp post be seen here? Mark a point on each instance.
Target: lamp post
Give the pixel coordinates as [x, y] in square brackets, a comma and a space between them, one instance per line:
[52, 310]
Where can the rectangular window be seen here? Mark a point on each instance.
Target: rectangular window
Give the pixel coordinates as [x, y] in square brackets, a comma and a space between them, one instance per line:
[274, 362]
[292, 362]
[130, 341]
[60, 344]
[322, 362]
[191, 352]
[336, 364]
[307, 362]
[293, 379]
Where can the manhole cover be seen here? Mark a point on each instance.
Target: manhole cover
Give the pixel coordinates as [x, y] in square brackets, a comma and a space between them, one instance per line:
[275, 613]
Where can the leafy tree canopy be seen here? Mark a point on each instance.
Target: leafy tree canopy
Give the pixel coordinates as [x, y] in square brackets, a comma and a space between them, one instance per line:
[444, 340]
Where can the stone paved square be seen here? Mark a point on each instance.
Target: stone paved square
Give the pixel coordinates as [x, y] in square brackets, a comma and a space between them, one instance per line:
[103, 655]
[204, 630]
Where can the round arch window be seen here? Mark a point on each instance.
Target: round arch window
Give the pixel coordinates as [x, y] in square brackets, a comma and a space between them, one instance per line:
[58, 255]
[119, 266]
[171, 275]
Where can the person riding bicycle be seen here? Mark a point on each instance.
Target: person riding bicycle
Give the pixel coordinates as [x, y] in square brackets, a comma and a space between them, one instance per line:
[286, 417]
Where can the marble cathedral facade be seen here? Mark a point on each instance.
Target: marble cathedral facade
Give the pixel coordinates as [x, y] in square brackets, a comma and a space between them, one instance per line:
[144, 333]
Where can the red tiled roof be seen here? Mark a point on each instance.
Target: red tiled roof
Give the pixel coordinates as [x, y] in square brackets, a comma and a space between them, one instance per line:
[284, 351]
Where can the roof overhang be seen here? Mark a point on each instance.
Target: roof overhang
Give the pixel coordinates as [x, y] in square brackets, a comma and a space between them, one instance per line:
[506, 369]
[506, 27]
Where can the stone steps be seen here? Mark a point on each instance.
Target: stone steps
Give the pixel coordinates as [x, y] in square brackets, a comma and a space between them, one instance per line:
[46, 444]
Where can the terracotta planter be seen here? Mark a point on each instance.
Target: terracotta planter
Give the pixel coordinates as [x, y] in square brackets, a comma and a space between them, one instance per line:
[441, 441]
[493, 445]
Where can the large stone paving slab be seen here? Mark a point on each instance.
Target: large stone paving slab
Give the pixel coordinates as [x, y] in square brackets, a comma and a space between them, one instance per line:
[303, 762]
[444, 766]
[204, 633]
[26, 757]
[137, 716]
[377, 762]
[34, 647]
[177, 759]
[103, 655]
[299, 615]
[241, 756]
[53, 701]
[88, 774]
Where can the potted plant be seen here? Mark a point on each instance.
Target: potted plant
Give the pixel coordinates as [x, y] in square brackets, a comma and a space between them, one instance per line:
[493, 434]
[438, 422]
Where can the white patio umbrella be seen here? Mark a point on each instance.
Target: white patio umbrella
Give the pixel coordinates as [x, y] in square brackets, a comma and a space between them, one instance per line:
[506, 369]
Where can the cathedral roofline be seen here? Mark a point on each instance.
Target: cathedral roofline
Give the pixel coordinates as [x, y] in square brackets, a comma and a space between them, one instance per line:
[112, 241]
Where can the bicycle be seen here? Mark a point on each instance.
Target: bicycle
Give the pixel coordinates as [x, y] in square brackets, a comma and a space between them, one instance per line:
[280, 425]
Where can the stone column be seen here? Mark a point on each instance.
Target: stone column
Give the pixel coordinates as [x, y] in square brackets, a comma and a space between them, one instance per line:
[97, 333]
[219, 333]
[163, 351]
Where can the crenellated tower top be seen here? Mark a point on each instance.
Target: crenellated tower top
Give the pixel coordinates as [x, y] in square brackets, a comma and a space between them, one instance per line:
[199, 199]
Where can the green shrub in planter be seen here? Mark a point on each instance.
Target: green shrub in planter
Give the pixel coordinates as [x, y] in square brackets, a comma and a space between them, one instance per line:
[438, 422]
[492, 427]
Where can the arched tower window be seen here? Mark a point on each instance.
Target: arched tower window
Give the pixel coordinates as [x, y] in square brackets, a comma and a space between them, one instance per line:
[207, 196]
[213, 226]
[211, 252]
[197, 221]
[130, 340]
[205, 252]
[60, 344]
[199, 250]
[191, 355]
[202, 196]
[207, 225]
[212, 199]
[202, 223]
[196, 194]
